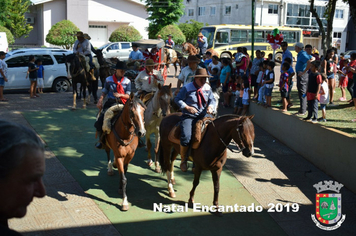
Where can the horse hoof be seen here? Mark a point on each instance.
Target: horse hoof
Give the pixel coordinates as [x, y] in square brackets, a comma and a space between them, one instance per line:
[73, 108]
[158, 170]
[173, 181]
[120, 191]
[190, 204]
[150, 162]
[125, 207]
[110, 173]
[172, 194]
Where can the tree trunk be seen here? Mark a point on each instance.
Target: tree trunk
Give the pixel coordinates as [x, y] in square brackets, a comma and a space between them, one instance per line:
[330, 19]
[321, 27]
[352, 4]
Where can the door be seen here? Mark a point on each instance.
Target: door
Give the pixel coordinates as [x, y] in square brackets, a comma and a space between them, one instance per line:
[125, 51]
[16, 73]
[98, 34]
[112, 50]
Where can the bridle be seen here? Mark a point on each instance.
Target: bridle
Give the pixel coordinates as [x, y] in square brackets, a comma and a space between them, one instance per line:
[72, 68]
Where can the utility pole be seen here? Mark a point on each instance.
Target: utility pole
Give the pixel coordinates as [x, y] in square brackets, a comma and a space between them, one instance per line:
[253, 29]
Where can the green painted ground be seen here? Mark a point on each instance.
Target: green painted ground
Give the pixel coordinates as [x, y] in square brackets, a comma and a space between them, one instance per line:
[71, 136]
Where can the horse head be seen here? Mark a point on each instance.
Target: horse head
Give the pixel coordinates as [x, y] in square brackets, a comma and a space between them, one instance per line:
[244, 135]
[137, 110]
[165, 95]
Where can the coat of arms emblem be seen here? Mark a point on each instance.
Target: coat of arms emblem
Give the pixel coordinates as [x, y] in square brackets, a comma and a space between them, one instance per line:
[328, 205]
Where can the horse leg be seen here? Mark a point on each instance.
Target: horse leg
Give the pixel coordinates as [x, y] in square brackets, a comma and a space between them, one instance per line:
[110, 167]
[216, 181]
[74, 96]
[157, 167]
[173, 157]
[84, 96]
[123, 183]
[197, 174]
[149, 145]
[175, 69]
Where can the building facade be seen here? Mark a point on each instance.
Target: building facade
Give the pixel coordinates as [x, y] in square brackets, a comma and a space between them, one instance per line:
[292, 13]
[98, 18]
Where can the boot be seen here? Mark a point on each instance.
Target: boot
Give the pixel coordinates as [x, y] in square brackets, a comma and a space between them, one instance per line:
[99, 144]
[184, 157]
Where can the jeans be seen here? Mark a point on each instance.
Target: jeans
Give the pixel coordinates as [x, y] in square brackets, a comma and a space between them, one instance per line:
[350, 87]
[187, 123]
[313, 109]
[261, 94]
[302, 83]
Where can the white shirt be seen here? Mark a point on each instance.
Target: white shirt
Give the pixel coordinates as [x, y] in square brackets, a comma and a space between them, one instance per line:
[324, 98]
[259, 77]
[3, 67]
[245, 94]
[142, 81]
[212, 66]
[185, 74]
[82, 47]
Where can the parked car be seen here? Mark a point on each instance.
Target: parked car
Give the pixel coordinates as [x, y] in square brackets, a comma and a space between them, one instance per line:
[53, 61]
[349, 53]
[120, 50]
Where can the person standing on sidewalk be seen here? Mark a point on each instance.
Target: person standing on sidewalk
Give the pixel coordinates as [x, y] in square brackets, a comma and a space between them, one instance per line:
[22, 165]
[3, 76]
[302, 66]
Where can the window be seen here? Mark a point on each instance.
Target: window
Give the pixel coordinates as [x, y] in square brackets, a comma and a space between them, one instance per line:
[339, 14]
[46, 59]
[259, 36]
[190, 12]
[299, 15]
[212, 11]
[239, 36]
[60, 59]
[337, 35]
[272, 9]
[201, 11]
[125, 46]
[222, 38]
[227, 10]
[21, 61]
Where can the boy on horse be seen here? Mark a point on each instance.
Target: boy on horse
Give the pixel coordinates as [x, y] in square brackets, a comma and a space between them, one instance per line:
[83, 47]
[147, 81]
[196, 100]
[170, 45]
[185, 76]
[118, 89]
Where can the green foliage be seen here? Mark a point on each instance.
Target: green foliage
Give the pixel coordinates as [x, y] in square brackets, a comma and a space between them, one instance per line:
[9, 36]
[191, 30]
[62, 34]
[126, 33]
[12, 16]
[163, 13]
[177, 35]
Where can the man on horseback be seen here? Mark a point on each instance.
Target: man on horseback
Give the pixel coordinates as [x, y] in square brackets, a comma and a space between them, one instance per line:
[170, 45]
[118, 89]
[82, 47]
[147, 81]
[196, 100]
[185, 76]
[202, 43]
[135, 57]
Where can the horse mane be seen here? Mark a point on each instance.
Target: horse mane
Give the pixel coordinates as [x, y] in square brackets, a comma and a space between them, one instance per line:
[166, 90]
[136, 101]
[234, 117]
[70, 56]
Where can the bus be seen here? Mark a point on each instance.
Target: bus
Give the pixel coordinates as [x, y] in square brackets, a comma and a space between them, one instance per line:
[228, 37]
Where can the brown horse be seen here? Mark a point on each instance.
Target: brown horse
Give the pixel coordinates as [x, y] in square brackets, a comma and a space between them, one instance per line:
[190, 49]
[176, 58]
[104, 70]
[157, 108]
[211, 154]
[124, 138]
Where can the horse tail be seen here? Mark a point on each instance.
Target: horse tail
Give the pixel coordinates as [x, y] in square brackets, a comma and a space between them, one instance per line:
[164, 166]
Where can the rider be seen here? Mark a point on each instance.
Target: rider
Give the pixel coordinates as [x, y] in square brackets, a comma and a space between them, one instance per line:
[196, 100]
[202, 43]
[147, 81]
[118, 89]
[170, 45]
[92, 66]
[135, 57]
[82, 47]
[185, 75]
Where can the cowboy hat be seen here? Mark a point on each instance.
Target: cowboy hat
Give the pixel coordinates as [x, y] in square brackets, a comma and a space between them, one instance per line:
[86, 36]
[201, 73]
[134, 45]
[120, 65]
[159, 36]
[226, 54]
[80, 34]
[193, 58]
[2, 53]
[200, 34]
[150, 62]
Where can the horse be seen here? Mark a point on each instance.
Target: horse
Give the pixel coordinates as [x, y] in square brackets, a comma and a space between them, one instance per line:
[211, 154]
[190, 49]
[76, 72]
[123, 140]
[177, 57]
[104, 70]
[157, 108]
[213, 52]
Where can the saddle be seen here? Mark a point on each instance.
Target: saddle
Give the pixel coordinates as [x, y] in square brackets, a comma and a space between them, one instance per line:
[198, 133]
[110, 117]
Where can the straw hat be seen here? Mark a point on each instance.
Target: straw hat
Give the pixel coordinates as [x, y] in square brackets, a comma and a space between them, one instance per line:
[193, 58]
[226, 54]
[150, 62]
[86, 36]
[80, 34]
[159, 36]
[200, 34]
[120, 65]
[201, 73]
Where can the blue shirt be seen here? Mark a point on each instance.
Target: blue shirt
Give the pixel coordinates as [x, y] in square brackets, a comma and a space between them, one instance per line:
[287, 54]
[203, 44]
[223, 73]
[302, 60]
[136, 55]
[40, 71]
[187, 96]
[110, 87]
[207, 62]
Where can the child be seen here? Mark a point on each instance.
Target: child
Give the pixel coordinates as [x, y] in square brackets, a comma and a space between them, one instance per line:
[32, 74]
[314, 84]
[40, 76]
[343, 78]
[324, 97]
[246, 95]
[283, 84]
[239, 94]
[270, 57]
[291, 74]
[214, 80]
[261, 91]
[259, 79]
[269, 83]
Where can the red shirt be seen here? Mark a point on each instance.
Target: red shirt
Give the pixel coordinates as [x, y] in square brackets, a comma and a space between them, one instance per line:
[351, 64]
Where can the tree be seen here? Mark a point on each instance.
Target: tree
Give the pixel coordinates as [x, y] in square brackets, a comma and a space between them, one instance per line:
[163, 13]
[126, 33]
[191, 30]
[177, 35]
[62, 34]
[352, 4]
[329, 15]
[13, 17]
[9, 36]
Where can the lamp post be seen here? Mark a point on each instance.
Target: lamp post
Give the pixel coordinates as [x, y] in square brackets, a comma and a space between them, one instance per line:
[253, 29]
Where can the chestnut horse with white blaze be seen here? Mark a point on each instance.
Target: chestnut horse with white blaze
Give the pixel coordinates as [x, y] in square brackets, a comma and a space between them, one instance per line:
[211, 153]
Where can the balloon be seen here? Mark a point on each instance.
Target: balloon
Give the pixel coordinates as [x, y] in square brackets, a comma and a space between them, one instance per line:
[277, 37]
[275, 32]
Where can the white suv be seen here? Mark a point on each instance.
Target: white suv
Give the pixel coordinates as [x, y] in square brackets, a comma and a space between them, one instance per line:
[120, 50]
[53, 61]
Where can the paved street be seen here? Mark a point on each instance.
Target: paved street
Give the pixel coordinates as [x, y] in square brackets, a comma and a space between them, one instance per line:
[276, 174]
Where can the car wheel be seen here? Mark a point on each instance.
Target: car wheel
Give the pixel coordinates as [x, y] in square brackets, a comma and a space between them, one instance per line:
[61, 85]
